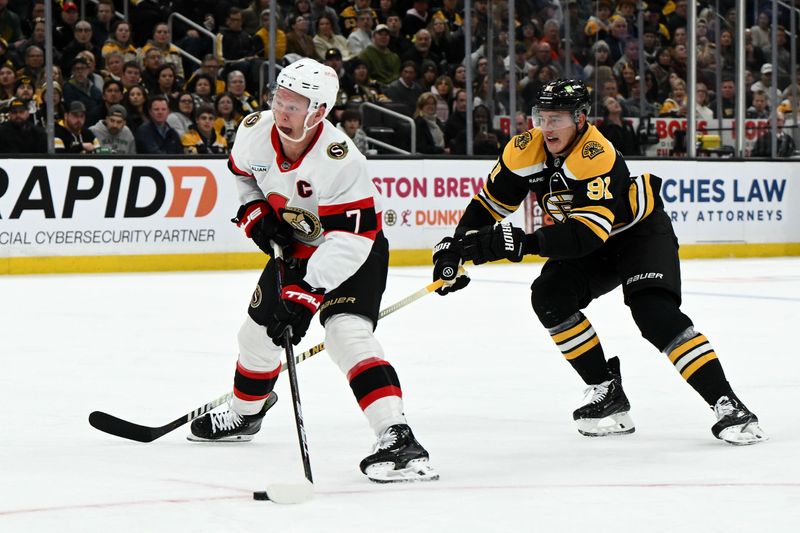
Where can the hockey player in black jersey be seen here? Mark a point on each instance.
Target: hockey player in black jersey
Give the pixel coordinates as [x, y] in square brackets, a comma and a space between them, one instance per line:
[609, 229]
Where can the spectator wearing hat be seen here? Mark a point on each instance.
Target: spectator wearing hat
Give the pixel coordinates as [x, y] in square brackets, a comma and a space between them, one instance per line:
[416, 18]
[261, 39]
[202, 138]
[112, 95]
[58, 105]
[361, 36]
[10, 29]
[383, 64]
[764, 84]
[348, 17]
[74, 137]
[65, 32]
[25, 91]
[81, 41]
[18, 135]
[94, 76]
[405, 89]
[112, 134]
[156, 136]
[8, 80]
[80, 88]
[326, 39]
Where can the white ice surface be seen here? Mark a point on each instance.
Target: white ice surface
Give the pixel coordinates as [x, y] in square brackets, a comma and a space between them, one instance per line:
[485, 391]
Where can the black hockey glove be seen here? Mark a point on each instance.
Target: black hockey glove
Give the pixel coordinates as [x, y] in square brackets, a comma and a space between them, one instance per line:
[261, 223]
[446, 263]
[296, 307]
[492, 243]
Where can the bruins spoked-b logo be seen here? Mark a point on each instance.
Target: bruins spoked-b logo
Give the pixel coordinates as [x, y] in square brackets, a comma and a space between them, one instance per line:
[558, 205]
[251, 119]
[522, 140]
[303, 222]
[337, 150]
[591, 149]
[255, 301]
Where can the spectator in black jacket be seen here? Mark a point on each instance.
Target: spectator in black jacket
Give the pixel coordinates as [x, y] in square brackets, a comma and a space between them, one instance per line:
[18, 135]
[156, 136]
[405, 89]
[80, 88]
[616, 130]
[74, 137]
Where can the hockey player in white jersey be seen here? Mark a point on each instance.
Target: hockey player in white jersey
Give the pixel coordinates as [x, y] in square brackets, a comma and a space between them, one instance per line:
[304, 185]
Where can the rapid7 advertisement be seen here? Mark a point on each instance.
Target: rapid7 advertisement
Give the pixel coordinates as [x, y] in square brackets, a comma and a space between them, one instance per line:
[106, 207]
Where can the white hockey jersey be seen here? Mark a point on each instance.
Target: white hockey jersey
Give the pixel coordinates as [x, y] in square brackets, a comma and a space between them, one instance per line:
[326, 196]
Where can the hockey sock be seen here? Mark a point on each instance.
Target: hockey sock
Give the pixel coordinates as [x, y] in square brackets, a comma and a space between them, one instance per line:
[580, 345]
[695, 359]
[257, 369]
[353, 347]
[250, 388]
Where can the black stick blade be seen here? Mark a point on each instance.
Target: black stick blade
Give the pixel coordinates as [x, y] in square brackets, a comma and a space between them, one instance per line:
[122, 428]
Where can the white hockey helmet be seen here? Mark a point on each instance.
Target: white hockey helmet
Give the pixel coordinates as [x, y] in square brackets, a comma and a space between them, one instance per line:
[317, 82]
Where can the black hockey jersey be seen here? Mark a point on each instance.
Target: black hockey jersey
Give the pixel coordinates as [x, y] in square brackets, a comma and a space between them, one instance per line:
[589, 194]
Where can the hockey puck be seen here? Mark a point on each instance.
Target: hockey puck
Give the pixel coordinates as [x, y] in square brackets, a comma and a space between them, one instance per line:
[260, 495]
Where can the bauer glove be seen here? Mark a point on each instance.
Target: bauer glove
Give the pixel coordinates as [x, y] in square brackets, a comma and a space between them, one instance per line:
[260, 223]
[446, 265]
[297, 305]
[492, 243]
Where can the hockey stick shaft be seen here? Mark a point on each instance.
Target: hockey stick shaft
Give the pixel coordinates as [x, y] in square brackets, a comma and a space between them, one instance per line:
[129, 430]
[292, 369]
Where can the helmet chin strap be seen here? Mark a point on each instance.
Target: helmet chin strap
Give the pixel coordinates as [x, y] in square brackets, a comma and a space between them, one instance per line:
[306, 128]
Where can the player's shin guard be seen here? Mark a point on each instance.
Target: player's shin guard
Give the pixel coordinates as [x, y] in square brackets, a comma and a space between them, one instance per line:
[257, 369]
[374, 382]
[580, 346]
[694, 358]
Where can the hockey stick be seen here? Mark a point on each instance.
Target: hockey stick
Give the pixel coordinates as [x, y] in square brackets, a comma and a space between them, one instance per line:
[128, 430]
[283, 492]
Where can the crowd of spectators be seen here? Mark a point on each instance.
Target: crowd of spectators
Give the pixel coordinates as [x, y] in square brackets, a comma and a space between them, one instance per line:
[123, 86]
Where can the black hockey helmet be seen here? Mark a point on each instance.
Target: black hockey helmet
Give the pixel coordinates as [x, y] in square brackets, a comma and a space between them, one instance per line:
[563, 95]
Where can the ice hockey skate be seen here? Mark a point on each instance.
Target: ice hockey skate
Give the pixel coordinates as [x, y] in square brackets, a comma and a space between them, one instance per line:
[606, 411]
[735, 423]
[398, 457]
[229, 426]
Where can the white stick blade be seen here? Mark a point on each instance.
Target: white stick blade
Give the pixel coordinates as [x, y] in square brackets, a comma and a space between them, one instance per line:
[290, 493]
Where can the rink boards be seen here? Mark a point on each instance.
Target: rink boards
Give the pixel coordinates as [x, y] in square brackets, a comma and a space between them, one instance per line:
[102, 215]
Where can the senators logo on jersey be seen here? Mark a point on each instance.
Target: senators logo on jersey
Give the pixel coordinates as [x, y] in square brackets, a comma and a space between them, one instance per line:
[304, 222]
[337, 150]
[255, 301]
[591, 149]
[251, 119]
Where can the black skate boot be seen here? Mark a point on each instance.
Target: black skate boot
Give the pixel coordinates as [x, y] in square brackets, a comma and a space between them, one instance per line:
[736, 424]
[228, 426]
[398, 456]
[606, 412]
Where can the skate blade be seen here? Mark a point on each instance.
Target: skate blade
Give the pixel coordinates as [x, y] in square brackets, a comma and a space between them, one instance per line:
[744, 434]
[415, 470]
[234, 438]
[616, 424]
